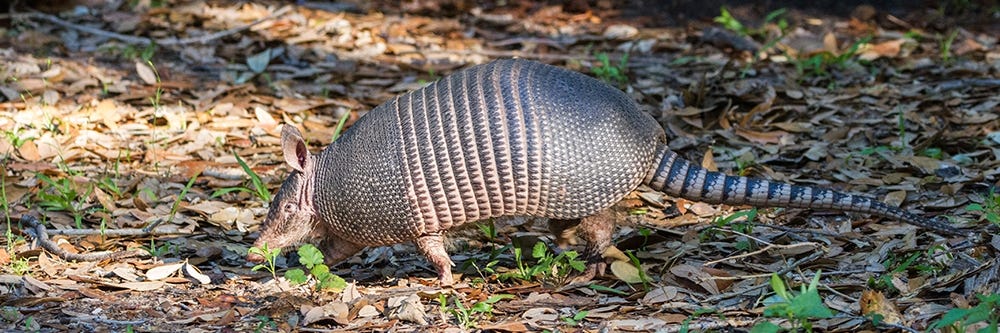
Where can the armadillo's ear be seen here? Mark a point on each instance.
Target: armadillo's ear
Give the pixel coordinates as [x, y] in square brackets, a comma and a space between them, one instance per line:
[294, 148]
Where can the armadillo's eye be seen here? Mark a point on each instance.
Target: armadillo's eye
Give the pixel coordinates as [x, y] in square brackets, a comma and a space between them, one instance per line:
[289, 207]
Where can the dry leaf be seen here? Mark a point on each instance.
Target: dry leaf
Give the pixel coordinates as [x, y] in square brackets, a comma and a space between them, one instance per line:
[625, 271]
[407, 308]
[874, 302]
[337, 311]
[708, 162]
[195, 273]
[888, 49]
[895, 198]
[773, 137]
[660, 295]
[696, 275]
[145, 72]
[163, 271]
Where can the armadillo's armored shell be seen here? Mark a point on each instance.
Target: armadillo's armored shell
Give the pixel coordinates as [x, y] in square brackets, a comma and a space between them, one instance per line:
[510, 137]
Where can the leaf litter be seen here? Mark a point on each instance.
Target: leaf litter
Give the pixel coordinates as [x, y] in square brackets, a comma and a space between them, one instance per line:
[103, 133]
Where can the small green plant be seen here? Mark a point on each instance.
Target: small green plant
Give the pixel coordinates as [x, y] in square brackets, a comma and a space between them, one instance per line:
[946, 44]
[5, 205]
[312, 258]
[575, 319]
[609, 290]
[340, 126]
[488, 228]
[30, 325]
[743, 165]
[431, 77]
[988, 311]
[265, 324]
[180, 197]
[611, 73]
[932, 152]
[270, 256]
[157, 250]
[158, 93]
[19, 266]
[645, 233]
[258, 188]
[733, 221]
[868, 151]
[62, 195]
[108, 185]
[638, 267]
[799, 308]
[148, 52]
[731, 23]
[109, 182]
[547, 266]
[989, 210]
[918, 262]
[16, 137]
[819, 64]
[468, 316]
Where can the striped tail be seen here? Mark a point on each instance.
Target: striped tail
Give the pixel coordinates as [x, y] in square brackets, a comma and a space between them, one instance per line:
[678, 177]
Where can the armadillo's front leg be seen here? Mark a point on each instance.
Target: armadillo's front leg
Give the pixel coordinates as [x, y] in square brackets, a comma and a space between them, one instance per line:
[564, 231]
[432, 246]
[596, 230]
[336, 249]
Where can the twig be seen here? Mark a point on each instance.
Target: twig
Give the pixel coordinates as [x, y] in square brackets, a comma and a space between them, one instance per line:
[762, 250]
[143, 40]
[708, 324]
[40, 234]
[116, 232]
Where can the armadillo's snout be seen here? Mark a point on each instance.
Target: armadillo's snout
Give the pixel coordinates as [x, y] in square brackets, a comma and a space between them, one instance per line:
[255, 258]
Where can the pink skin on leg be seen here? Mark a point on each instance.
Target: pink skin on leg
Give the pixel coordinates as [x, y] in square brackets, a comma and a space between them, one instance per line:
[432, 247]
[596, 230]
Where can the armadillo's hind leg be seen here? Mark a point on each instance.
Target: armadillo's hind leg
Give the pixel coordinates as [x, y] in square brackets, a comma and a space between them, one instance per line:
[596, 230]
[564, 231]
[432, 246]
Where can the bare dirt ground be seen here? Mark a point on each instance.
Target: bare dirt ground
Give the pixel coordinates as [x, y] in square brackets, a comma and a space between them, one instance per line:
[118, 115]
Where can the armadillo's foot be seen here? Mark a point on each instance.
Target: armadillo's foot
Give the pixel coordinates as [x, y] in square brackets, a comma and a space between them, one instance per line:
[432, 247]
[593, 270]
[596, 230]
[336, 250]
[564, 231]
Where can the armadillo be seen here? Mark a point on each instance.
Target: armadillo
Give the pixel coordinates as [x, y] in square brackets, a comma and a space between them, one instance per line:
[506, 138]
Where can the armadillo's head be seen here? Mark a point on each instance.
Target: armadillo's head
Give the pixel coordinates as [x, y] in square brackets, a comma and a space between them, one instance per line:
[291, 219]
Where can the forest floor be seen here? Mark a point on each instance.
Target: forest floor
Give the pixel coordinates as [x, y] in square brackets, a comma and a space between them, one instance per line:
[106, 133]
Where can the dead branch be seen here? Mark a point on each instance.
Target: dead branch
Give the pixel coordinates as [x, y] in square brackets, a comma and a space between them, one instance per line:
[41, 235]
[116, 232]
